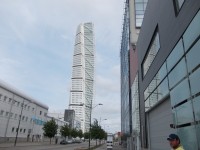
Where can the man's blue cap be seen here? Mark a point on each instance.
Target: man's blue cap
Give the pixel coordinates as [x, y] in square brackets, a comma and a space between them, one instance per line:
[173, 137]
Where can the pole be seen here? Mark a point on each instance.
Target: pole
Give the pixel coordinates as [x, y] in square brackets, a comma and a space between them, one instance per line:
[19, 124]
[90, 127]
[7, 124]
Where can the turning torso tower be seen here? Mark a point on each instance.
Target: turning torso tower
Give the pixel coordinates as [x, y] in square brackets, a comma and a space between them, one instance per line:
[82, 90]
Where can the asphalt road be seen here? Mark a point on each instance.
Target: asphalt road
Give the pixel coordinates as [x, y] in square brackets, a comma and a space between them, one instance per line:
[48, 147]
[115, 147]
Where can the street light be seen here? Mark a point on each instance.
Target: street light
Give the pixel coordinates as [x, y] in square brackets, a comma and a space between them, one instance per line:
[20, 122]
[91, 121]
[101, 121]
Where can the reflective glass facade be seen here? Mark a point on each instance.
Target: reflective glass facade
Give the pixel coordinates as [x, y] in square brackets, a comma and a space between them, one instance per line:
[135, 107]
[124, 53]
[179, 78]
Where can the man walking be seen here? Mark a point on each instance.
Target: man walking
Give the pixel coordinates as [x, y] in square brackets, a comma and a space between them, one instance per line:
[175, 142]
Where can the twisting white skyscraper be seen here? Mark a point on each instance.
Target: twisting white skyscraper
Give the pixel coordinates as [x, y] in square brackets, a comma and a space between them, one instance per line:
[81, 94]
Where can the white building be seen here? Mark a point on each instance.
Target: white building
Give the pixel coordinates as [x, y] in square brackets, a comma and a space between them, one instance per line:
[81, 94]
[15, 106]
[59, 122]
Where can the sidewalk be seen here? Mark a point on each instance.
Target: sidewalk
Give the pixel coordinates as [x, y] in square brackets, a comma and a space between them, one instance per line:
[21, 144]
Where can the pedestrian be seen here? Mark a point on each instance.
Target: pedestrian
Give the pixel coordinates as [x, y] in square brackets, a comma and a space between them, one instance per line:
[175, 142]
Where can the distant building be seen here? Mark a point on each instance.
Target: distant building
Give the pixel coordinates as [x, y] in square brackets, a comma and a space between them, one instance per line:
[15, 105]
[74, 121]
[57, 115]
[82, 90]
[59, 122]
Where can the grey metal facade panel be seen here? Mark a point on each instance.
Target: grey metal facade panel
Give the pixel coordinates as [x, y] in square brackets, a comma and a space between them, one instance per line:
[170, 28]
[159, 119]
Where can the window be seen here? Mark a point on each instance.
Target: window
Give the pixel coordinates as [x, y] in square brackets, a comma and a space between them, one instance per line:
[24, 130]
[23, 117]
[184, 113]
[152, 52]
[2, 112]
[10, 100]
[5, 98]
[194, 82]
[40, 112]
[20, 130]
[178, 73]
[140, 7]
[11, 115]
[7, 114]
[196, 104]
[16, 129]
[13, 129]
[188, 134]
[178, 4]
[192, 32]
[193, 57]
[180, 93]
[175, 55]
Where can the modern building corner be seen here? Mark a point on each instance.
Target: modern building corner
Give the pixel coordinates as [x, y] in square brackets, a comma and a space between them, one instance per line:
[160, 74]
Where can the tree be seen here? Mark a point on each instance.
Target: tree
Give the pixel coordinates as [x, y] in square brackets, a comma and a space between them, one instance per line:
[74, 133]
[97, 132]
[65, 131]
[86, 135]
[80, 133]
[50, 129]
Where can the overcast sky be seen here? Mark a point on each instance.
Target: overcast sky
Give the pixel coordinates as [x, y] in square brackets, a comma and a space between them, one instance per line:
[36, 47]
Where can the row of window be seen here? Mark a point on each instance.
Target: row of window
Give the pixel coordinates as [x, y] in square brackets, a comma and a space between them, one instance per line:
[14, 102]
[18, 104]
[21, 130]
[14, 116]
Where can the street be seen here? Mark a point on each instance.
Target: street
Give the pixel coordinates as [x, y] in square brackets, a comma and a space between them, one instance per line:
[47, 147]
[115, 147]
[31, 146]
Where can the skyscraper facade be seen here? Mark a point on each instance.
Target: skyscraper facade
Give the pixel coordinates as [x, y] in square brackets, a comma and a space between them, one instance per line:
[82, 90]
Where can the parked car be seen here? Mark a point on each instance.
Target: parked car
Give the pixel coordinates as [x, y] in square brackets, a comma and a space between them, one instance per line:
[70, 141]
[63, 142]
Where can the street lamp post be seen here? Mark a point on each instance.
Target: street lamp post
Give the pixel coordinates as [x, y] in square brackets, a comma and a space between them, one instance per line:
[101, 121]
[19, 122]
[91, 121]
